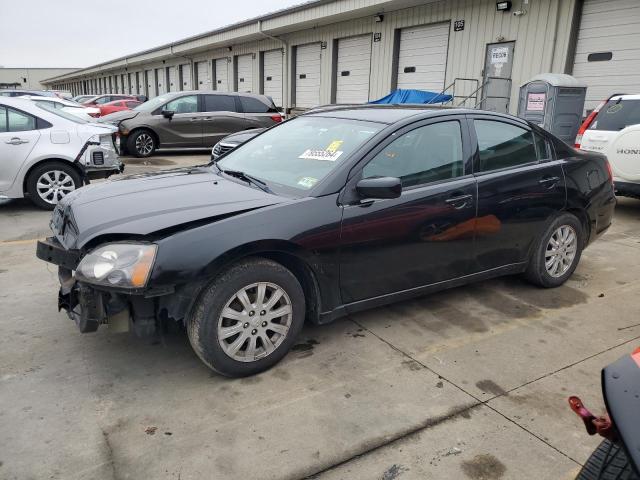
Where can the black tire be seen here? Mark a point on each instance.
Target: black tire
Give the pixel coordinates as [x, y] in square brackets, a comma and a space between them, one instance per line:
[202, 324]
[536, 271]
[608, 462]
[44, 169]
[142, 143]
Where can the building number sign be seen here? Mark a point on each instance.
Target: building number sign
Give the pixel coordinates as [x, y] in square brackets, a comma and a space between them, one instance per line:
[458, 25]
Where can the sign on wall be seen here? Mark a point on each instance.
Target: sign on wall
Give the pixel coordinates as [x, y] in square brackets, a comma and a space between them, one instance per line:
[499, 55]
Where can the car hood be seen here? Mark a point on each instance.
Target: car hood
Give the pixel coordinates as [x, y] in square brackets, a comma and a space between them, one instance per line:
[144, 204]
[241, 137]
[116, 117]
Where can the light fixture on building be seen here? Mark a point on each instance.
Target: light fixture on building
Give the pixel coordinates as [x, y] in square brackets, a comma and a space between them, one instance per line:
[378, 17]
[229, 48]
[503, 6]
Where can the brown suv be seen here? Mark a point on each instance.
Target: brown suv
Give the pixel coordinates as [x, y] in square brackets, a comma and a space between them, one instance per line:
[190, 120]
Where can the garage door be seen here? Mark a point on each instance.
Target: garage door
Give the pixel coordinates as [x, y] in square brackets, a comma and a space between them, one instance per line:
[203, 79]
[272, 73]
[608, 49]
[245, 73]
[422, 57]
[161, 76]
[353, 69]
[150, 90]
[185, 71]
[307, 75]
[173, 80]
[221, 75]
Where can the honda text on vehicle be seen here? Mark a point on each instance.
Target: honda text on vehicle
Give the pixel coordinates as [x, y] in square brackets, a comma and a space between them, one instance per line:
[324, 215]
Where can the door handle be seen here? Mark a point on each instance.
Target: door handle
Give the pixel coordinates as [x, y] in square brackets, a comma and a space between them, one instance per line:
[16, 141]
[459, 201]
[195, 119]
[549, 182]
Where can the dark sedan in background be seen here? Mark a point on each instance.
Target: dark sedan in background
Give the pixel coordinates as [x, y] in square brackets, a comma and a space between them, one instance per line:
[327, 214]
[195, 119]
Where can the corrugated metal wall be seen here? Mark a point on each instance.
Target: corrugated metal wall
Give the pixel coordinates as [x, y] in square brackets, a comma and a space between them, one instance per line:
[542, 40]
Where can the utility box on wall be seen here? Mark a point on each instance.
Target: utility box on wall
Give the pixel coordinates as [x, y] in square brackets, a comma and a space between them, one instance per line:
[554, 101]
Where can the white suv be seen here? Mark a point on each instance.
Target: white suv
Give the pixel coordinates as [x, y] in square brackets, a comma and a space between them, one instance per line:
[46, 153]
[613, 128]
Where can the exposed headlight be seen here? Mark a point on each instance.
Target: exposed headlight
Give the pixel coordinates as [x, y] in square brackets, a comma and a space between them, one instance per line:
[125, 265]
[105, 141]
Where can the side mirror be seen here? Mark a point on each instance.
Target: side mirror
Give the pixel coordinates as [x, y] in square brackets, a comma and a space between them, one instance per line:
[168, 114]
[379, 187]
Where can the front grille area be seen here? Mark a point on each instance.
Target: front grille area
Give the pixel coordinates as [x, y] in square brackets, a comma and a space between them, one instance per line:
[222, 148]
[98, 158]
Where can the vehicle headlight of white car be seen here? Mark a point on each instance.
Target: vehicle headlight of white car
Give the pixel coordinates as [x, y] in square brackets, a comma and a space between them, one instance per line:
[104, 141]
[125, 265]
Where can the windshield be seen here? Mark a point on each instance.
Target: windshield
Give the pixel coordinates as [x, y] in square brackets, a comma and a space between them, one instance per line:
[151, 105]
[616, 115]
[297, 155]
[50, 107]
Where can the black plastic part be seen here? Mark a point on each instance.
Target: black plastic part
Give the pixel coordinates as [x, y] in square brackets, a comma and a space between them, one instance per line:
[621, 391]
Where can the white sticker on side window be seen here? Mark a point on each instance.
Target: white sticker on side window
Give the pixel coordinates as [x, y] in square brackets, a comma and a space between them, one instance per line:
[324, 155]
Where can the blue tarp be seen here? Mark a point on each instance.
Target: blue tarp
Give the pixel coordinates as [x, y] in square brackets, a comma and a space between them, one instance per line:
[412, 96]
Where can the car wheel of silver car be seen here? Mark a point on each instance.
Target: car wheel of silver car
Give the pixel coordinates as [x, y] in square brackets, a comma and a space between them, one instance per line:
[248, 318]
[50, 182]
[141, 143]
[557, 253]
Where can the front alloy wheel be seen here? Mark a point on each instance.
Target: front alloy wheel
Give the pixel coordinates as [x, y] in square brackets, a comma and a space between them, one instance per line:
[248, 317]
[141, 144]
[254, 322]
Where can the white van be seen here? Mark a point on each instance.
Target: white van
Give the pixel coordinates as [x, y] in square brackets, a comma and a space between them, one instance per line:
[46, 153]
[614, 129]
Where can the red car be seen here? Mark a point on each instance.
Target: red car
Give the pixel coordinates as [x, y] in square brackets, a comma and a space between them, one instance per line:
[116, 106]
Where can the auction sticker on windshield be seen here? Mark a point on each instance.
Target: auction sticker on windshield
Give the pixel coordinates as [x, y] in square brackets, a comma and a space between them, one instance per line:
[325, 155]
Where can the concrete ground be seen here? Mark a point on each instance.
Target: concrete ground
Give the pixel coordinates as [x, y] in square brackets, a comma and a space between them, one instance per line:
[466, 384]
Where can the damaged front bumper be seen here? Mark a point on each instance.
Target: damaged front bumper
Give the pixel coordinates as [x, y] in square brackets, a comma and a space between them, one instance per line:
[89, 307]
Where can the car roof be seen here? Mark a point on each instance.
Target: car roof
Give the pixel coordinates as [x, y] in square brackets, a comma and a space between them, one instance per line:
[394, 113]
[626, 97]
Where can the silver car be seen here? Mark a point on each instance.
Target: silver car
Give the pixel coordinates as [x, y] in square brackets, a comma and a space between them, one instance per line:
[46, 153]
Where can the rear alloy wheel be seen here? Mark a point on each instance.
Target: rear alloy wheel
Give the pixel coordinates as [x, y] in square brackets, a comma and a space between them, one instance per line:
[141, 144]
[558, 252]
[247, 319]
[51, 182]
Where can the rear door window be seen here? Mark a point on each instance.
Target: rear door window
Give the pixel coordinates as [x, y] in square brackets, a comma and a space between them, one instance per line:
[19, 121]
[3, 119]
[253, 105]
[616, 115]
[219, 103]
[502, 145]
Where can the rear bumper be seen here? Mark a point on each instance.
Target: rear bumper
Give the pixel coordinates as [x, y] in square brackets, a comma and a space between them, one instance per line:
[627, 189]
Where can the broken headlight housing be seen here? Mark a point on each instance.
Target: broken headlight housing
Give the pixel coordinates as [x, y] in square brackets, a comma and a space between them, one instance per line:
[124, 265]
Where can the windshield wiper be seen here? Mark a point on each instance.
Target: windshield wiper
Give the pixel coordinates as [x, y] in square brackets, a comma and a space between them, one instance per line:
[247, 178]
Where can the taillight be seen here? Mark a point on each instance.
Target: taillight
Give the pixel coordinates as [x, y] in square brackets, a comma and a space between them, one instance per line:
[587, 123]
[276, 118]
[610, 172]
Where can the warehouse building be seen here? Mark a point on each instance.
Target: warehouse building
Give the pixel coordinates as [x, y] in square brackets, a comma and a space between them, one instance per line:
[346, 51]
[29, 78]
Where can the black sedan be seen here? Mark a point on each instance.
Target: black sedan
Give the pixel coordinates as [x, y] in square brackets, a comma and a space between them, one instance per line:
[327, 214]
